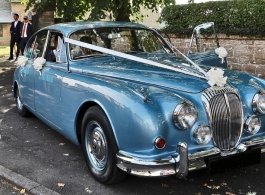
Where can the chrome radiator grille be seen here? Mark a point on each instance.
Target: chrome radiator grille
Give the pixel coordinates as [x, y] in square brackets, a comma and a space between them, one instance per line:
[224, 110]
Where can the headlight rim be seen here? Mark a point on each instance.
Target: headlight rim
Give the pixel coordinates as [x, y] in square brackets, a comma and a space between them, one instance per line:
[176, 112]
[246, 125]
[195, 133]
[255, 107]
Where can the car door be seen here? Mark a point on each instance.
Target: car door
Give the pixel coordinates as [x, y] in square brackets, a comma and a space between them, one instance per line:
[48, 83]
[33, 49]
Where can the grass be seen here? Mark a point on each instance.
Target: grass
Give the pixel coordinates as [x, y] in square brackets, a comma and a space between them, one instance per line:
[4, 51]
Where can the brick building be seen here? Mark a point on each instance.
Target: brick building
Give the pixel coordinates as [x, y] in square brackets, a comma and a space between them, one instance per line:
[7, 9]
[14, 6]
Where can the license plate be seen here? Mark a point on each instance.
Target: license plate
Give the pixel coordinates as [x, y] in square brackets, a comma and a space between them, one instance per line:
[223, 163]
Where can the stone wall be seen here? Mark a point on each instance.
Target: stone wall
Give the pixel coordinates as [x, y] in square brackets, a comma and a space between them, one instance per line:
[244, 54]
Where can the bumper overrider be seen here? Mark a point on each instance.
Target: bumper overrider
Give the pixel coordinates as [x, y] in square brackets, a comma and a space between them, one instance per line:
[183, 162]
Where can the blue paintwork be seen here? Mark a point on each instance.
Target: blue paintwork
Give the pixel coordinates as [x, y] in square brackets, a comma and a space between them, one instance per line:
[208, 58]
[118, 87]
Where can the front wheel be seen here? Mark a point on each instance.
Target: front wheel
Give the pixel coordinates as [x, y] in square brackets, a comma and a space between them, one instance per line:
[100, 147]
[22, 110]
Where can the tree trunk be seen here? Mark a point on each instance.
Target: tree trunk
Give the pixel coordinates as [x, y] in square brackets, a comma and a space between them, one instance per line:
[123, 13]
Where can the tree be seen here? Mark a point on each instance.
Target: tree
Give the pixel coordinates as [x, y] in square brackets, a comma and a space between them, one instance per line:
[119, 10]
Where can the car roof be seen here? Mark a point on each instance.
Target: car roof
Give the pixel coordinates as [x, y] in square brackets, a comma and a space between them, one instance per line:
[69, 27]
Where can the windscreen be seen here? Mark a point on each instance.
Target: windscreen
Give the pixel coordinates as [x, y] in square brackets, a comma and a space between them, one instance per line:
[126, 40]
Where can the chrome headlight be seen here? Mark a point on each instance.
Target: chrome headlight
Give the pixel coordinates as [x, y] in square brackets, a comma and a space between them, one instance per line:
[252, 124]
[185, 115]
[258, 102]
[203, 134]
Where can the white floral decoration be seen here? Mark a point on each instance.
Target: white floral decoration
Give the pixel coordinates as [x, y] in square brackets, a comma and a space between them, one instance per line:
[221, 52]
[22, 60]
[216, 77]
[39, 63]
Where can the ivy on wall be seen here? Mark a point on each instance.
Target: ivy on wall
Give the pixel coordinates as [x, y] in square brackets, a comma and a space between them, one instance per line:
[238, 17]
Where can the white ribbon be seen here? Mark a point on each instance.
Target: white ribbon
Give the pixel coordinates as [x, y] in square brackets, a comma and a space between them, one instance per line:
[131, 57]
[189, 60]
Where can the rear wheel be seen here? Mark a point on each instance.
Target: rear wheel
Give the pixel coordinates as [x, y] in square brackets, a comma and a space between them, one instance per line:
[100, 147]
[22, 110]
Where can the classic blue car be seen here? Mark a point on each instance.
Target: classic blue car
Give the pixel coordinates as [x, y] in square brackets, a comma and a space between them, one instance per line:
[135, 104]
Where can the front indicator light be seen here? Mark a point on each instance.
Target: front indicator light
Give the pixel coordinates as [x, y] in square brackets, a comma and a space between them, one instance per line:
[252, 124]
[203, 134]
[160, 143]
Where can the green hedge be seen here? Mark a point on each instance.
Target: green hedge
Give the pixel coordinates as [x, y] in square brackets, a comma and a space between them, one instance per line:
[241, 17]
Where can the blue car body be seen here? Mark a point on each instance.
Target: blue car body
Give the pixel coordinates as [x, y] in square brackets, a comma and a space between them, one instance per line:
[138, 100]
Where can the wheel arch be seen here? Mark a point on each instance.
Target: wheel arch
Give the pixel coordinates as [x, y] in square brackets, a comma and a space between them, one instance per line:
[80, 115]
[81, 112]
[15, 87]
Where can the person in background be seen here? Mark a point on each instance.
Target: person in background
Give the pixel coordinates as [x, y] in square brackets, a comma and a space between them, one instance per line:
[15, 36]
[33, 51]
[25, 32]
[85, 51]
[52, 53]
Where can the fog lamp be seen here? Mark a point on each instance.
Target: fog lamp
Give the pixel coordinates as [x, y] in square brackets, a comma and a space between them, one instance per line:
[203, 134]
[160, 143]
[252, 124]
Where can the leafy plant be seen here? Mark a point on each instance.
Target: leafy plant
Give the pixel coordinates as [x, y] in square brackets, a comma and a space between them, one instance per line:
[238, 17]
[72, 10]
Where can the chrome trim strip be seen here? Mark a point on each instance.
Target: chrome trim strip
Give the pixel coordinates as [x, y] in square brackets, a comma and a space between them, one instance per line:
[196, 160]
[210, 93]
[57, 67]
[153, 168]
[229, 118]
[45, 44]
[76, 70]
[182, 163]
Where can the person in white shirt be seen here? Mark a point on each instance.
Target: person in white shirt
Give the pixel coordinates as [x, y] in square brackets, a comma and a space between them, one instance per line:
[25, 32]
[15, 36]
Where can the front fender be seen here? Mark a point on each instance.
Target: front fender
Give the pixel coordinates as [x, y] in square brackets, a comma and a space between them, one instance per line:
[136, 121]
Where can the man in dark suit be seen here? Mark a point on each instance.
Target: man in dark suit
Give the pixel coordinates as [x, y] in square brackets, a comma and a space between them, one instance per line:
[25, 32]
[15, 35]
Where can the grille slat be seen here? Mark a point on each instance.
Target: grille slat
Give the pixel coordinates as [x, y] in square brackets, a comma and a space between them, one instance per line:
[225, 112]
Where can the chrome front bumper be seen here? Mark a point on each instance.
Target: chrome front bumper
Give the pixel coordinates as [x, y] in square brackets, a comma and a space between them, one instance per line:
[181, 164]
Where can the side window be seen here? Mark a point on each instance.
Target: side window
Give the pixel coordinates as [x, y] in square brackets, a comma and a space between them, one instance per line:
[56, 51]
[36, 45]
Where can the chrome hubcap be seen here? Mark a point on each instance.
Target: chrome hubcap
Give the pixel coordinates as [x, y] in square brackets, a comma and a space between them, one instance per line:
[97, 146]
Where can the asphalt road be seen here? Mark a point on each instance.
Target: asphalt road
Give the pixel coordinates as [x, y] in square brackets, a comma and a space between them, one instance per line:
[32, 149]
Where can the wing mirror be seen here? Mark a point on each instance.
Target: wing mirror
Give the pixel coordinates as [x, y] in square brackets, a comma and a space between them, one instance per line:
[197, 33]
